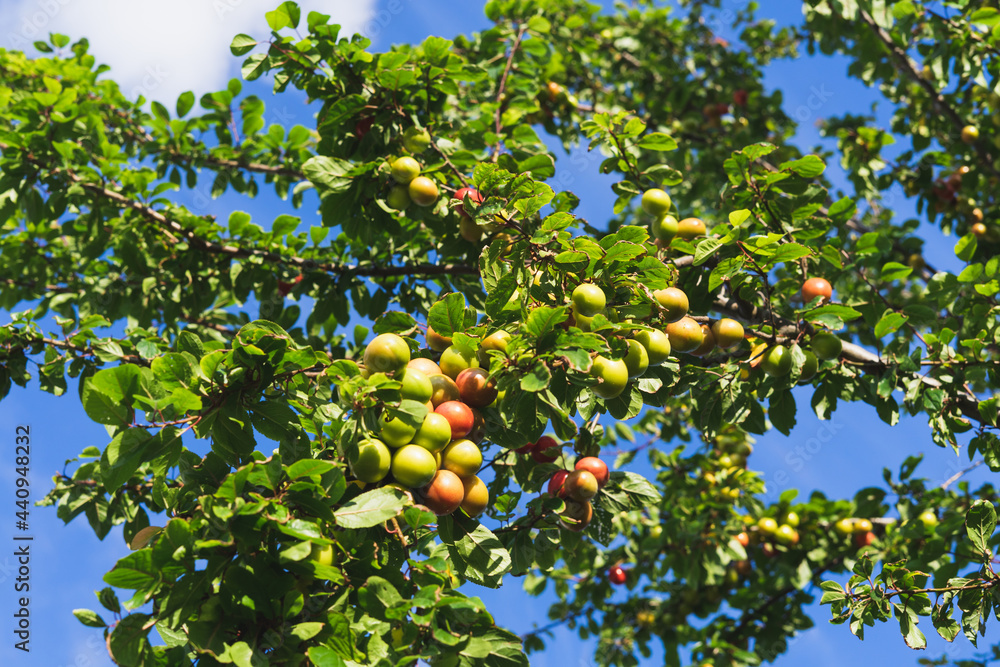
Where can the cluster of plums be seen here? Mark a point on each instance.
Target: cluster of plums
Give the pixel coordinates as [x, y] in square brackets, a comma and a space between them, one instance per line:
[410, 186]
[651, 347]
[777, 360]
[577, 488]
[440, 459]
[773, 532]
[859, 530]
[684, 334]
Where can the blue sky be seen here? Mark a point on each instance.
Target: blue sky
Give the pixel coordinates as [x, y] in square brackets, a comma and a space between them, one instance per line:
[68, 562]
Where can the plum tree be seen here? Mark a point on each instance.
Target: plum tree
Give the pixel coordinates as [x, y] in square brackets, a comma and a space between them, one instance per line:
[371, 460]
[459, 415]
[545, 450]
[727, 332]
[462, 457]
[444, 493]
[636, 360]
[249, 379]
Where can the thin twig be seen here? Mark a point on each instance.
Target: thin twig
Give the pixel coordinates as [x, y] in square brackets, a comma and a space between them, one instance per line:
[958, 475]
[495, 154]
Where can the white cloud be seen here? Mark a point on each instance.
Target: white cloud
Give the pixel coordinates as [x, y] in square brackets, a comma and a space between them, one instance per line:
[159, 49]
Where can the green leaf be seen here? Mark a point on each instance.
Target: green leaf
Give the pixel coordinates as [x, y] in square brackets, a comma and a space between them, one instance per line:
[241, 45]
[500, 295]
[543, 319]
[986, 16]
[190, 343]
[781, 411]
[328, 173]
[90, 618]
[890, 322]
[241, 655]
[106, 596]
[372, 508]
[309, 467]
[657, 141]
[285, 16]
[122, 457]
[988, 410]
[966, 247]
[895, 271]
[478, 554]
[980, 522]
[107, 396]
[832, 592]
[832, 316]
[640, 490]
[184, 103]
[842, 210]
[737, 218]
[572, 261]
[623, 251]
[757, 151]
[945, 625]
[284, 224]
[144, 537]
[912, 635]
[321, 656]
[128, 642]
[809, 166]
[788, 252]
[134, 571]
[255, 66]
[274, 420]
[232, 436]
[705, 250]
[539, 24]
[175, 370]
[447, 316]
[538, 378]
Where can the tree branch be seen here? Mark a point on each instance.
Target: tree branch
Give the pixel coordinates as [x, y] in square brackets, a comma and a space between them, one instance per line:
[869, 361]
[502, 88]
[175, 230]
[257, 167]
[908, 68]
